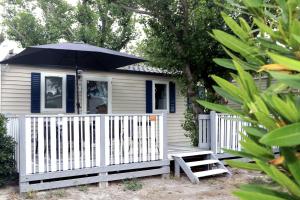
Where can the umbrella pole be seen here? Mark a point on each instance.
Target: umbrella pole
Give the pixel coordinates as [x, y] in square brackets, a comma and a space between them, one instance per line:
[77, 91]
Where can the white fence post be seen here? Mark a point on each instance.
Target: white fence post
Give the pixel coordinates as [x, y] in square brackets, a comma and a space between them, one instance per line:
[165, 137]
[104, 150]
[23, 153]
[165, 143]
[214, 131]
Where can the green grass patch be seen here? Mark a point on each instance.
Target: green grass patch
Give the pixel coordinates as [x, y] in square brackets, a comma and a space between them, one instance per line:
[132, 185]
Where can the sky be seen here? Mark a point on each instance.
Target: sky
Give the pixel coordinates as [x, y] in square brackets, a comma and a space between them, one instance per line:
[8, 45]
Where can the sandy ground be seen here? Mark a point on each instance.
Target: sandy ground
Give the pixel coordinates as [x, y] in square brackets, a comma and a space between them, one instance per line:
[153, 188]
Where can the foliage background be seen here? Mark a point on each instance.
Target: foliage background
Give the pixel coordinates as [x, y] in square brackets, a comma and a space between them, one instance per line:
[7, 161]
[97, 22]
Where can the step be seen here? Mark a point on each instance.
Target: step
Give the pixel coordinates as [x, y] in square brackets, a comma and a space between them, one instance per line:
[210, 172]
[202, 162]
[196, 153]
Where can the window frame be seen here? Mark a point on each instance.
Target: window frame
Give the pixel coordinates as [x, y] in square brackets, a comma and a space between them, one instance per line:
[153, 96]
[64, 93]
[84, 87]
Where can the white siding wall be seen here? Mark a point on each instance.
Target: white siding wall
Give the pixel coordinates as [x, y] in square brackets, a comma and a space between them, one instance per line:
[128, 95]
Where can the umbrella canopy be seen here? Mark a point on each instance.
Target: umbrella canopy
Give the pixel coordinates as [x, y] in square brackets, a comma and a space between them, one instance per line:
[78, 55]
[84, 56]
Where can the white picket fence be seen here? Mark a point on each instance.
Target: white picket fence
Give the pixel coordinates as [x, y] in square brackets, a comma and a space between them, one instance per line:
[218, 131]
[58, 143]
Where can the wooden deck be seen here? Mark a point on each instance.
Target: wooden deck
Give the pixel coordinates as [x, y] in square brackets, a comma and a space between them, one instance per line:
[178, 149]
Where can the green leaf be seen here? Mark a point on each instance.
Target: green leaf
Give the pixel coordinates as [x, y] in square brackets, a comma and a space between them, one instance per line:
[275, 88]
[290, 63]
[285, 181]
[235, 27]
[243, 165]
[279, 177]
[288, 79]
[286, 136]
[264, 28]
[296, 37]
[292, 162]
[234, 43]
[218, 107]
[223, 62]
[266, 168]
[266, 120]
[229, 87]
[255, 131]
[287, 109]
[245, 25]
[251, 195]
[239, 153]
[265, 190]
[247, 81]
[245, 65]
[269, 44]
[256, 149]
[225, 94]
[260, 104]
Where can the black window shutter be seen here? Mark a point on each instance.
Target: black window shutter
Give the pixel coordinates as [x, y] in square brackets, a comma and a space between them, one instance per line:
[35, 92]
[172, 96]
[70, 99]
[149, 96]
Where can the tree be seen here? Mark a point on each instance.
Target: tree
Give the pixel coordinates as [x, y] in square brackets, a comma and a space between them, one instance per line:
[49, 21]
[177, 39]
[273, 113]
[1, 37]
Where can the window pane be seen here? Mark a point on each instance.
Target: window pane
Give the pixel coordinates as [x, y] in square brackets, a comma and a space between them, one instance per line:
[53, 92]
[97, 97]
[160, 96]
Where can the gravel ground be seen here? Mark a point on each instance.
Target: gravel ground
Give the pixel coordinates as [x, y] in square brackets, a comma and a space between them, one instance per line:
[152, 188]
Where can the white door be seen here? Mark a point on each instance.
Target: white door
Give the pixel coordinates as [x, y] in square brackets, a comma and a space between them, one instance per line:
[96, 95]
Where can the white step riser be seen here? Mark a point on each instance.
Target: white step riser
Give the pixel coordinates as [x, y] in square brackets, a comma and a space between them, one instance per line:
[202, 162]
[189, 154]
[210, 172]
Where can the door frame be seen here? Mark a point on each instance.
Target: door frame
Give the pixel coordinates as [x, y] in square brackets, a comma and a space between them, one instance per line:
[84, 86]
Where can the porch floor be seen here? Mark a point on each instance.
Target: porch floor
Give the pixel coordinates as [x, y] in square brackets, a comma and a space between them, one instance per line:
[176, 149]
[186, 148]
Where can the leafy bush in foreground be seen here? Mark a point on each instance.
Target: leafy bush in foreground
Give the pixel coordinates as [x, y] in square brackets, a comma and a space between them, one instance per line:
[7, 148]
[267, 41]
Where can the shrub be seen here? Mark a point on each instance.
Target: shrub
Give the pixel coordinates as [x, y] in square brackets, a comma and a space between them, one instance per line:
[267, 41]
[133, 185]
[191, 127]
[7, 148]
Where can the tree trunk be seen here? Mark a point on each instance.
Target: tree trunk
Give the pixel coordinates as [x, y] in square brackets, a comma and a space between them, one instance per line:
[191, 91]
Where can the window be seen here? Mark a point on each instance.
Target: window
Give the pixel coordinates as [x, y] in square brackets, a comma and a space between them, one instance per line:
[161, 96]
[53, 93]
[96, 95]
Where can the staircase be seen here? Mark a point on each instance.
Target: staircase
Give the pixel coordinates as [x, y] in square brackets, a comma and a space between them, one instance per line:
[206, 160]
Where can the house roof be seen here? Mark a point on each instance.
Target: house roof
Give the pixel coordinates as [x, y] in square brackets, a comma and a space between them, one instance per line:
[139, 68]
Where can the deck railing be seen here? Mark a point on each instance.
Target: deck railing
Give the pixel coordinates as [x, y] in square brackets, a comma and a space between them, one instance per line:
[218, 131]
[53, 147]
[57, 143]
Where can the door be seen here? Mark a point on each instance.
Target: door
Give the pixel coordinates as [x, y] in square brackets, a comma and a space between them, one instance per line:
[97, 95]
